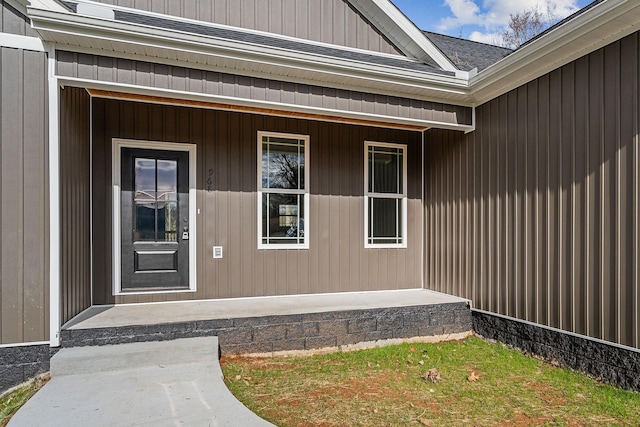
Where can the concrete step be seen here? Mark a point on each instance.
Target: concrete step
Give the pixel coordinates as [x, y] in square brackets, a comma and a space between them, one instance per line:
[110, 358]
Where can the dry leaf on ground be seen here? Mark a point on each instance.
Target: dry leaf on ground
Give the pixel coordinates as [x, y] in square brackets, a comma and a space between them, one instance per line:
[432, 375]
[473, 377]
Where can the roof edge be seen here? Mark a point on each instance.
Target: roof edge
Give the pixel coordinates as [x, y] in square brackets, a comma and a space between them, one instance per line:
[559, 46]
[42, 4]
[86, 33]
[394, 24]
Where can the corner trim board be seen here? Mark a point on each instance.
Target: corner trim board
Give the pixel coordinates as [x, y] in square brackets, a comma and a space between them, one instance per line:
[55, 309]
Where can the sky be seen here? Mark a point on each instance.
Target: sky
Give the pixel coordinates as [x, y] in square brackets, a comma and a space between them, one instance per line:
[478, 20]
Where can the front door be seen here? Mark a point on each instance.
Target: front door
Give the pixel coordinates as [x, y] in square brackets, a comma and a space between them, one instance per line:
[154, 209]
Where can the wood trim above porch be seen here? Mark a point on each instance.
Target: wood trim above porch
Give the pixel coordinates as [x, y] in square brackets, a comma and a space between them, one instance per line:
[99, 93]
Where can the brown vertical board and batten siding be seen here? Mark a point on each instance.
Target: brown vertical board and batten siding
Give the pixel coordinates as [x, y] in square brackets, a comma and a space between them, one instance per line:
[227, 149]
[140, 73]
[326, 21]
[24, 292]
[551, 180]
[628, 208]
[75, 190]
[13, 21]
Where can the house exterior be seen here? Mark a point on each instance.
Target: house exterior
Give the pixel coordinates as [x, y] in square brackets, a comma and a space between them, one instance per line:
[157, 151]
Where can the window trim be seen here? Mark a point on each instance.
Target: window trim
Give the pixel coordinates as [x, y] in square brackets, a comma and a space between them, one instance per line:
[397, 196]
[304, 192]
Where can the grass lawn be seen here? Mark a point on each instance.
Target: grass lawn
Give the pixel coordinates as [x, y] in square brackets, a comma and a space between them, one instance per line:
[12, 401]
[470, 382]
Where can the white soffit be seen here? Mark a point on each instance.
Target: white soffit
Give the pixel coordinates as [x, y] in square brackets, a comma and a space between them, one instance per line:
[605, 23]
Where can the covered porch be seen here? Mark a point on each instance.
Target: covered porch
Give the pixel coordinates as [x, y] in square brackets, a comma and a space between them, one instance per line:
[336, 287]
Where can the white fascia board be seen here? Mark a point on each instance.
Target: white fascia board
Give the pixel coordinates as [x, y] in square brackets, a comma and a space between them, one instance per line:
[562, 45]
[44, 4]
[414, 41]
[151, 37]
[21, 42]
[245, 102]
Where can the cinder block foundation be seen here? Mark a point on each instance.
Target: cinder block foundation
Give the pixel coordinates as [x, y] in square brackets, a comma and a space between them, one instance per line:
[266, 334]
[608, 363]
[21, 363]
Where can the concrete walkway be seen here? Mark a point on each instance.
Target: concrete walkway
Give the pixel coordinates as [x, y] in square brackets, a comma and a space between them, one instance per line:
[168, 383]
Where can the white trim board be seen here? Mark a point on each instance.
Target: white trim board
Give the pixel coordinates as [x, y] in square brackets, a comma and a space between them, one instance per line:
[394, 24]
[55, 292]
[117, 144]
[21, 42]
[24, 344]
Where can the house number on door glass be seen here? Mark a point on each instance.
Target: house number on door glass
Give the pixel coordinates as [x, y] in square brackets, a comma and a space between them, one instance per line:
[210, 181]
[155, 200]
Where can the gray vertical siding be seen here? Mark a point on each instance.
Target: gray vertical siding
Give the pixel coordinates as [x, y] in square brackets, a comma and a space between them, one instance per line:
[227, 146]
[327, 21]
[24, 307]
[75, 191]
[535, 214]
[140, 73]
[13, 21]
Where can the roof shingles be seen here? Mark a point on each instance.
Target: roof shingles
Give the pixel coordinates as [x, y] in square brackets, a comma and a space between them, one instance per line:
[467, 54]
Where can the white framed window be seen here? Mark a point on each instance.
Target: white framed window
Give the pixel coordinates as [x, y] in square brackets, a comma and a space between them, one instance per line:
[385, 195]
[283, 191]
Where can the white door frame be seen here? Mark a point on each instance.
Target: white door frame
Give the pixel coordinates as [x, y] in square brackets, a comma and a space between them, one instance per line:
[117, 145]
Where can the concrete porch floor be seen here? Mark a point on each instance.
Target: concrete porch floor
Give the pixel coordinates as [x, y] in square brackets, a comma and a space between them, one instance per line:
[279, 324]
[191, 311]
